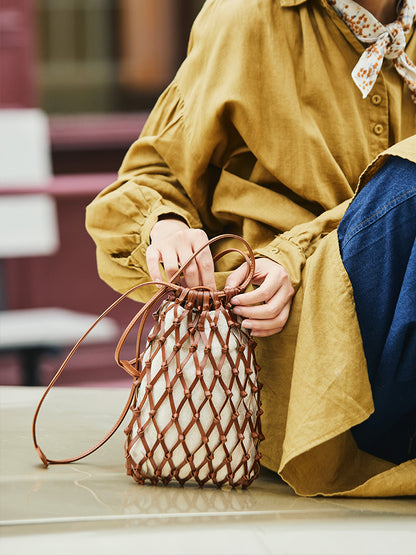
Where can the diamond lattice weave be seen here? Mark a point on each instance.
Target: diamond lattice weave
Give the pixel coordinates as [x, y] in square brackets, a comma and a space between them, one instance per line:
[196, 412]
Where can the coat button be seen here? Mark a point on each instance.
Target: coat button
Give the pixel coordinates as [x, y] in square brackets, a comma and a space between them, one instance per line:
[376, 99]
[378, 129]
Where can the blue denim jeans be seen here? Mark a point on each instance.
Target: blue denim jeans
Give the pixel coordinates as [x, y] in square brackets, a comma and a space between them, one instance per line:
[378, 249]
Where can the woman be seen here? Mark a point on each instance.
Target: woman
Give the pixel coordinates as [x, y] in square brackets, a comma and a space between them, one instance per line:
[265, 133]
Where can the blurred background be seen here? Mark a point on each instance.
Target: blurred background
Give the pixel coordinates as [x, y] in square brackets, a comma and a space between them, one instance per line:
[77, 80]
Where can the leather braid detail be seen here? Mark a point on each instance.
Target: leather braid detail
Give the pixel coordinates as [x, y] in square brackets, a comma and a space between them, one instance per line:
[196, 410]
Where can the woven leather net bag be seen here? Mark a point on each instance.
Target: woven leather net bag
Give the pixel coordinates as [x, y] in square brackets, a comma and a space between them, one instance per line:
[195, 397]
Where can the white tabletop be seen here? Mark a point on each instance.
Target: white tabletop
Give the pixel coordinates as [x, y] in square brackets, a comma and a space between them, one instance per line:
[93, 507]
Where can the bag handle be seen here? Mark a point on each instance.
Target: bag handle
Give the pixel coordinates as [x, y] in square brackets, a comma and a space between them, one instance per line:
[142, 315]
[250, 260]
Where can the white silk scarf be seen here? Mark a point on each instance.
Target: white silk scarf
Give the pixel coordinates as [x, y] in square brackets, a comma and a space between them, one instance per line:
[386, 41]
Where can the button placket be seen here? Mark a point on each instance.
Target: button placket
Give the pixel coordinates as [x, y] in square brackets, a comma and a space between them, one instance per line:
[378, 128]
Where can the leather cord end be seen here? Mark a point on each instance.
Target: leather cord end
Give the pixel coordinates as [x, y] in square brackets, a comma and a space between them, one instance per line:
[42, 457]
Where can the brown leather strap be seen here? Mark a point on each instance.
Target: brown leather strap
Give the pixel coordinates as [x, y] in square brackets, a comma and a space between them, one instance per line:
[142, 316]
[128, 365]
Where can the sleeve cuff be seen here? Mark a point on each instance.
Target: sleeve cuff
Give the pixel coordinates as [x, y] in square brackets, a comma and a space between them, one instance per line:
[287, 254]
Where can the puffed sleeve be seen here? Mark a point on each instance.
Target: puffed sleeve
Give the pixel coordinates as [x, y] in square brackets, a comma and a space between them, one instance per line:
[121, 217]
[174, 165]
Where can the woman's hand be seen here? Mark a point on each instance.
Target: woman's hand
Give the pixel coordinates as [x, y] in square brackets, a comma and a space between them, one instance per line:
[173, 242]
[266, 309]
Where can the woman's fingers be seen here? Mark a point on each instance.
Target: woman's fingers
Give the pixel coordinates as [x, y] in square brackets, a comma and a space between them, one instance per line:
[173, 243]
[170, 261]
[236, 277]
[153, 259]
[204, 275]
[265, 302]
[266, 309]
[264, 328]
[158, 252]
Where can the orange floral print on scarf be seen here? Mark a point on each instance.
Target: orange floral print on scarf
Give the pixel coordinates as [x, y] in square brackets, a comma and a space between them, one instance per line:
[386, 41]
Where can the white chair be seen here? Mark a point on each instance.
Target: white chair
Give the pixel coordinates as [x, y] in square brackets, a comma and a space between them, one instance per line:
[29, 227]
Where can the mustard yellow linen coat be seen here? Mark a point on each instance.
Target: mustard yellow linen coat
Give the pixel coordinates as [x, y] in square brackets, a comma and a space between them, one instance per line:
[263, 133]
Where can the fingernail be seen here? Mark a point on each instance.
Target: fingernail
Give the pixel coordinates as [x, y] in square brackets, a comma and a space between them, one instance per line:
[246, 324]
[235, 300]
[237, 310]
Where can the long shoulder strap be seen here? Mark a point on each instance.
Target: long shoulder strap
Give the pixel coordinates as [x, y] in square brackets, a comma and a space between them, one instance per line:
[126, 365]
[144, 310]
